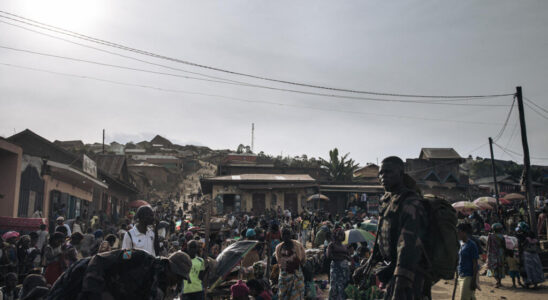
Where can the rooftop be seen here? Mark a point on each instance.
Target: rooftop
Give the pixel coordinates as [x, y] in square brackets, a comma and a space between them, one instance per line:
[439, 153]
[264, 177]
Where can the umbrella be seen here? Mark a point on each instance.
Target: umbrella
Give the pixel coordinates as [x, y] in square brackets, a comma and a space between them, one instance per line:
[229, 258]
[485, 202]
[369, 226]
[317, 196]
[465, 207]
[514, 196]
[357, 236]
[504, 201]
[10, 234]
[138, 203]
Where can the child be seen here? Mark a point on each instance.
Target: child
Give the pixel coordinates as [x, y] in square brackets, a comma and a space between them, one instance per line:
[239, 291]
[257, 290]
[513, 267]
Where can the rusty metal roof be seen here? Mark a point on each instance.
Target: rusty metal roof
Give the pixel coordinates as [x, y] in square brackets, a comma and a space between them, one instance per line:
[113, 164]
[439, 153]
[264, 177]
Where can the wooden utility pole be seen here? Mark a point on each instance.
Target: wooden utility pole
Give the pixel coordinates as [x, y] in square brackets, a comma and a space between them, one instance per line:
[103, 141]
[530, 197]
[494, 177]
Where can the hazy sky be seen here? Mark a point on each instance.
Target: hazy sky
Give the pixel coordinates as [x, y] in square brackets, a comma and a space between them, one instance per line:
[410, 47]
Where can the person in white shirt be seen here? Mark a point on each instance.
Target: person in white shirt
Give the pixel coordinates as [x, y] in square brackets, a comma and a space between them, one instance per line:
[141, 236]
[43, 236]
[61, 222]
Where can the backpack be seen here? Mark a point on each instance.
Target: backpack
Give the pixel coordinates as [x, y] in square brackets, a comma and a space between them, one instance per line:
[442, 245]
[69, 285]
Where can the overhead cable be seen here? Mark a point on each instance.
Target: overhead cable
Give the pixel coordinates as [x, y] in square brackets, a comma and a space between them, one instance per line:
[538, 106]
[238, 99]
[21, 19]
[442, 102]
[501, 132]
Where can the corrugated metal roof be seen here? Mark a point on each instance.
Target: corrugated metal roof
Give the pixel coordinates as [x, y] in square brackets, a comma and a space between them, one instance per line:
[264, 177]
[113, 164]
[439, 153]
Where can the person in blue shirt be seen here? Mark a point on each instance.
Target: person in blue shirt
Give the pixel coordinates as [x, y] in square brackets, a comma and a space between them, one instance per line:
[468, 263]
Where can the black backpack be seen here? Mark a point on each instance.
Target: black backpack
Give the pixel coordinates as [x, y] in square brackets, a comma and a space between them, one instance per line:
[442, 246]
[69, 284]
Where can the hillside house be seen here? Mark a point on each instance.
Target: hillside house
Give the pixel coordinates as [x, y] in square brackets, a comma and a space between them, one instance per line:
[437, 172]
[256, 192]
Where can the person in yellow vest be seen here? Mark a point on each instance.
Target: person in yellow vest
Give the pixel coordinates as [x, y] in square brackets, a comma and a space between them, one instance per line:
[194, 289]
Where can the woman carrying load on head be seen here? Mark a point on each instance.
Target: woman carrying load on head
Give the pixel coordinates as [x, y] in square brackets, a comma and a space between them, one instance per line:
[339, 270]
[496, 248]
[290, 256]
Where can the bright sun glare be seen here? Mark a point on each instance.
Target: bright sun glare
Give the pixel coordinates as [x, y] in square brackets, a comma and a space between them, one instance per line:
[69, 14]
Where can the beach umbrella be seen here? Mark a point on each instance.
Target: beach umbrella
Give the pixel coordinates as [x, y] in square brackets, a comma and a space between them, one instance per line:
[357, 236]
[504, 201]
[229, 258]
[138, 203]
[465, 207]
[10, 234]
[369, 226]
[317, 196]
[514, 196]
[485, 202]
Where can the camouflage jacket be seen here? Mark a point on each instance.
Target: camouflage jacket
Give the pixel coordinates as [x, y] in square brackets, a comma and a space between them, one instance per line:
[403, 228]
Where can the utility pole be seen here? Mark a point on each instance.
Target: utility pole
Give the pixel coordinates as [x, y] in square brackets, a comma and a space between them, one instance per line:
[103, 141]
[494, 177]
[526, 162]
[252, 137]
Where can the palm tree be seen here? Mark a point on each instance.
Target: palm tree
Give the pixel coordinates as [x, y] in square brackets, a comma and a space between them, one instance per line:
[339, 169]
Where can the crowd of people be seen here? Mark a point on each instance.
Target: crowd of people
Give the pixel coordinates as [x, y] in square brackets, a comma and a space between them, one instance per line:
[160, 252]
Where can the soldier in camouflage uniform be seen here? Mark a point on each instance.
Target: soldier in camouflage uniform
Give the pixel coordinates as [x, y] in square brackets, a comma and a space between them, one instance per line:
[400, 235]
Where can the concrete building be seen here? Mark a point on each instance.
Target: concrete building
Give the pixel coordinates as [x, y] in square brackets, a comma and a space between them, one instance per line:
[58, 182]
[256, 192]
[437, 172]
[10, 178]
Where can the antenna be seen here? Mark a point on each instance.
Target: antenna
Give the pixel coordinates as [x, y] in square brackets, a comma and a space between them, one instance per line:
[103, 141]
[252, 137]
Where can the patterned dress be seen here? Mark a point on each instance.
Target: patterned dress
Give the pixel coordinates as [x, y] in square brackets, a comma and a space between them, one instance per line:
[496, 246]
[291, 280]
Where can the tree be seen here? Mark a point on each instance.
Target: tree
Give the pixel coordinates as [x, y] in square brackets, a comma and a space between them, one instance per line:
[340, 169]
[240, 149]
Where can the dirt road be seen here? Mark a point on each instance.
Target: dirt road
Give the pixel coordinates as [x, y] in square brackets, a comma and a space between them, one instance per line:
[444, 290]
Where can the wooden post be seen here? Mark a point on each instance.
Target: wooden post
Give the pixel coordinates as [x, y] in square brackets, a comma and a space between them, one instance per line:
[526, 162]
[205, 255]
[494, 177]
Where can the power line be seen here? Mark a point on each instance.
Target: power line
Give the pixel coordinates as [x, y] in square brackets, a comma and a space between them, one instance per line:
[507, 152]
[538, 106]
[501, 132]
[514, 130]
[209, 76]
[536, 111]
[117, 54]
[238, 99]
[251, 85]
[517, 153]
[59, 30]
[477, 148]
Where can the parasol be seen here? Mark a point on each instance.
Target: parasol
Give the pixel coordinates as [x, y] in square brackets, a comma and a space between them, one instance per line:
[504, 201]
[138, 203]
[369, 226]
[229, 258]
[485, 202]
[317, 196]
[514, 196]
[10, 234]
[357, 236]
[465, 207]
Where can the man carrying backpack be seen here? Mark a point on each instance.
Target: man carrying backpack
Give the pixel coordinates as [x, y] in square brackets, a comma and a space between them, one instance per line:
[400, 238]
